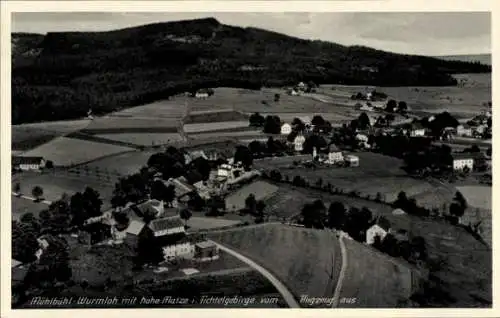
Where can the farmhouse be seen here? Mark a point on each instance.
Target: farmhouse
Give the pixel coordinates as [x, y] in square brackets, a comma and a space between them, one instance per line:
[352, 160]
[202, 94]
[334, 154]
[179, 248]
[202, 190]
[286, 129]
[206, 251]
[299, 142]
[380, 228]
[182, 187]
[417, 130]
[167, 226]
[28, 163]
[462, 160]
[129, 233]
[464, 130]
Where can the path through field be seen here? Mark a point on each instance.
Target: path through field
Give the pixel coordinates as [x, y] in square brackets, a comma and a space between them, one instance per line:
[287, 295]
[343, 269]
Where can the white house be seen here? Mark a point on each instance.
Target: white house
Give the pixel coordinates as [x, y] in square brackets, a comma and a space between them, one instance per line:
[381, 227]
[28, 163]
[417, 130]
[462, 160]
[352, 160]
[334, 154]
[179, 250]
[366, 108]
[286, 129]
[299, 142]
[464, 130]
[206, 251]
[362, 138]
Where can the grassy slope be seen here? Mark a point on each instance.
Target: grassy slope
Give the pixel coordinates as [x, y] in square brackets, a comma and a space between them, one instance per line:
[300, 258]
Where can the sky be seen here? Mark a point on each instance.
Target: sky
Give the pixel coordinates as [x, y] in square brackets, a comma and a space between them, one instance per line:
[425, 33]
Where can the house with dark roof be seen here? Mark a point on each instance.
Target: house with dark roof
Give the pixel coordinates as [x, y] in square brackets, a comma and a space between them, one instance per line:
[182, 187]
[417, 130]
[334, 154]
[380, 228]
[27, 163]
[167, 226]
[463, 160]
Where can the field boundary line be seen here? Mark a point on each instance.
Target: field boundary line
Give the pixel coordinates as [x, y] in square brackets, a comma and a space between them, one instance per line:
[282, 289]
[343, 269]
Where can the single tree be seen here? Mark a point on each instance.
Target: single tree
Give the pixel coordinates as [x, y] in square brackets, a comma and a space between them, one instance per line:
[251, 203]
[37, 192]
[49, 164]
[336, 215]
[391, 105]
[24, 242]
[185, 214]
[277, 97]
[17, 188]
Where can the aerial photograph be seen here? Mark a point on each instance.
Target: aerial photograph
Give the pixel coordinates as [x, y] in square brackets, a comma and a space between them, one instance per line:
[251, 160]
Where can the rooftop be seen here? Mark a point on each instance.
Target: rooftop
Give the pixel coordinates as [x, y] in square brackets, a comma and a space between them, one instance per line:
[165, 223]
[205, 244]
[17, 160]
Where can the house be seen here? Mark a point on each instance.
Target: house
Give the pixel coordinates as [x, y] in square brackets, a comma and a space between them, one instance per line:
[182, 249]
[481, 129]
[201, 93]
[398, 212]
[202, 190]
[366, 108]
[462, 160]
[28, 163]
[306, 120]
[206, 251]
[167, 226]
[334, 154]
[417, 130]
[301, 86]
[286, 129]
[380, 228]
[464, 130]
[195, 154]
[293, 92]
[362, 137]
[352, 160]
[182, 188]
[299, 143]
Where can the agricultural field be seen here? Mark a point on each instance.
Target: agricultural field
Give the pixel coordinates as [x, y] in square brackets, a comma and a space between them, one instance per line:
[205, 223]
[462, 101]
[144, 139]
[119, 125]
[121, 164]
[55, 184]
[374, 170]
[466, 271]
[335, 116]
[64, 151]
[248, 134]
[214, 116]
[477, 196]
[216, 126]
[307, 261]
[261, 189]
[29, 136]
[21, 206]
[373, 279]
[174, 108]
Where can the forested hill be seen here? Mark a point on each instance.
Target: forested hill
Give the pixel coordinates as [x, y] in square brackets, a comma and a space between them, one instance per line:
[481, 58]
[61, 75]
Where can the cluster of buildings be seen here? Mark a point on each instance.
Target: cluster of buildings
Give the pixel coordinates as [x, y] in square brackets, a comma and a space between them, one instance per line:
[167, 228]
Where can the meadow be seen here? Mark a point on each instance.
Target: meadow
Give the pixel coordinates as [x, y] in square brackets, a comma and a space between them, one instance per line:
[175, 108]
[121, 164]
[307, 261]
[373, 279]
[64, 151]
[21, 206]
[118, 125]
[55, 184]
[215, 126]
[260, 189]
[29, 136]
[144, 139]
[204, 223]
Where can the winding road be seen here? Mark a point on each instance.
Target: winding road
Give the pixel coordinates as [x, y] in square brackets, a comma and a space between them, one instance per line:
[282, 289]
